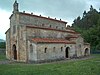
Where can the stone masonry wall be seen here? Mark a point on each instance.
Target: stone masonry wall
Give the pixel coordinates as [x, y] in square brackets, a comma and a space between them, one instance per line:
[41, 22]
[42, 33]
[15, 39]
[32, 51]
[22, 44]
[8, 50]
[54, 53]
[79, 46]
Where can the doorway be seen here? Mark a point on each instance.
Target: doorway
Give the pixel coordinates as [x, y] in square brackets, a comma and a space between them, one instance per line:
[86, 53]
[67, 52]
[14, 52]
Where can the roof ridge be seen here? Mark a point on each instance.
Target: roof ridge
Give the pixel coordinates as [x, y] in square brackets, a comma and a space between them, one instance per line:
[42, 17]
[49, 40]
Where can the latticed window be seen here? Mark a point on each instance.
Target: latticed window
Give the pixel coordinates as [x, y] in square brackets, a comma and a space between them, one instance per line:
[43, 25]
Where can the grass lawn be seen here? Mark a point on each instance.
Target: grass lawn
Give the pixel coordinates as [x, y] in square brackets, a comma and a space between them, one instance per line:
[2, 57]
[80, 67]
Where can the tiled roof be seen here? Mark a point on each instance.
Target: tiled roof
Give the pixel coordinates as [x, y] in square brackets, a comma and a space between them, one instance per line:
[86, 43]
[30, 26]
[7, 30]
[51, 40]
[72, 37]
[43, 17]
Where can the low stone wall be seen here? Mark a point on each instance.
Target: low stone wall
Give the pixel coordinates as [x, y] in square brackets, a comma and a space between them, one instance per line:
[2, 51]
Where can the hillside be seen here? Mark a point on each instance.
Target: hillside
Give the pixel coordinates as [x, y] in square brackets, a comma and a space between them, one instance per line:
[2, 43]
[1, 40]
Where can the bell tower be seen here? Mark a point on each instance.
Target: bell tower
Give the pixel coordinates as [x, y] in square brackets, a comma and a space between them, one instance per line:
[15, 7]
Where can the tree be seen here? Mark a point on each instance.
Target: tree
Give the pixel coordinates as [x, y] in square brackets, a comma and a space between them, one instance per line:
[2, 45]
[84, 14]
[89, 27]
[88, 20]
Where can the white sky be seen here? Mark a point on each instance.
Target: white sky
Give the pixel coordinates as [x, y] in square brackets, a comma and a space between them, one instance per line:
[4, 22]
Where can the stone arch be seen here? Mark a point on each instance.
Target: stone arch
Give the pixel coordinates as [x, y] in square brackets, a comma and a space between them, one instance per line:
[14, 52]
[86, 52]
[67, 52]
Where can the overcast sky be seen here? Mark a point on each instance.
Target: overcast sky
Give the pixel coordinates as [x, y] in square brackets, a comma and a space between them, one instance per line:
[67, 10]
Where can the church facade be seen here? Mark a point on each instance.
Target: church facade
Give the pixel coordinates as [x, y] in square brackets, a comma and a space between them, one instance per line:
[37, 38]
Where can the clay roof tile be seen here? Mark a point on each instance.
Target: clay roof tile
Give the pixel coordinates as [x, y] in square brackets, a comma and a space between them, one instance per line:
[51, 40]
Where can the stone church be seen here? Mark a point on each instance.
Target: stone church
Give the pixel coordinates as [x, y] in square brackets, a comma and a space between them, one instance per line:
[37, 38]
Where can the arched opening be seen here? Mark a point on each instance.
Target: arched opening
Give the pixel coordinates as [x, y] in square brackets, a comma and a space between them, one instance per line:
[14, 52]
[86, 52]
[45, 50]
[67, 52]
[61, 49]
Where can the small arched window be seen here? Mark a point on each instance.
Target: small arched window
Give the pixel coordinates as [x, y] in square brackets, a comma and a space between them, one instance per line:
[61, 49]
[62, 28]
[42, 24]
[56, 27]
[50, 26]
[54, 49]
[45, 50]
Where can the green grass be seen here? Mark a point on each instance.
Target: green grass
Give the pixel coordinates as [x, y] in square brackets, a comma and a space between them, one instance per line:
[2, 57]
[80, 67]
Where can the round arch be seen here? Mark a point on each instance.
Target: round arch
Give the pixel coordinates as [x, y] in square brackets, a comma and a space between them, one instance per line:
[86, 52]
[14, 52]
[67, 52]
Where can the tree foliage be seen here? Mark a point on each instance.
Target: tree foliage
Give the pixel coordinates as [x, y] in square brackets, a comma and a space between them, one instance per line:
[2, 45]
[89, 27]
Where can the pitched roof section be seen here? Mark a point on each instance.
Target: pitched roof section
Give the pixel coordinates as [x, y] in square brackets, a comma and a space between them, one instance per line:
[30, 26]
[86, 43]
[7, 30]
[42, 17]
[72, 37]
[50, 40]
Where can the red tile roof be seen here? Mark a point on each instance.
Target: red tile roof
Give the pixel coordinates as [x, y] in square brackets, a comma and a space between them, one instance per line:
[72, 37]
[43, 17]
[50, 40]
[51, 29]
[7, 30]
